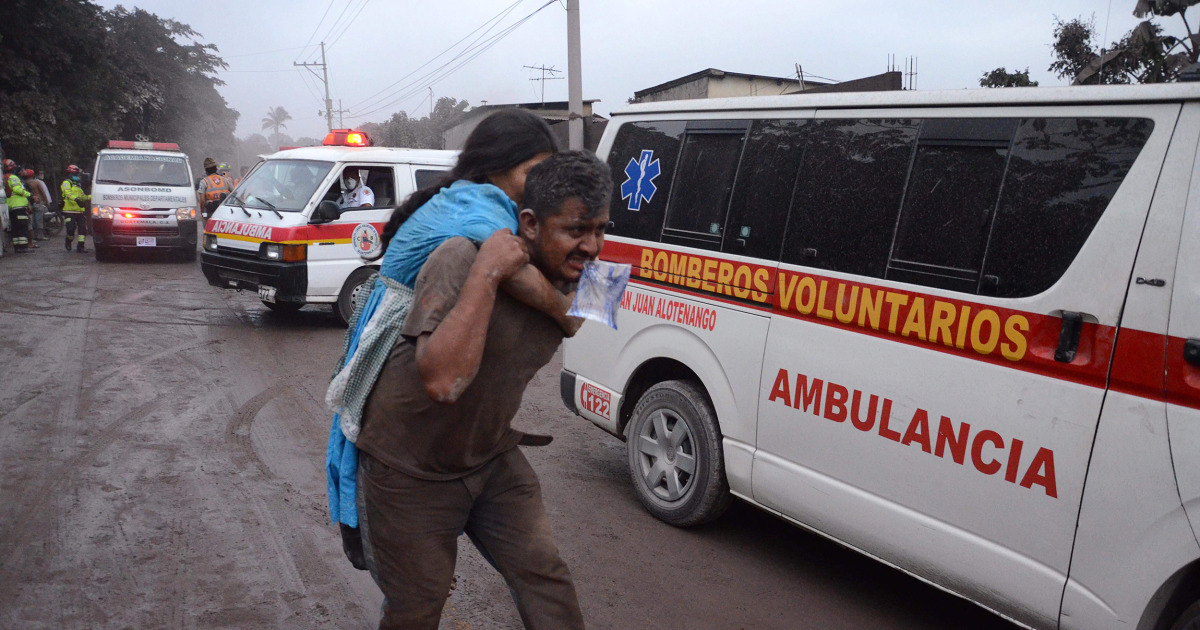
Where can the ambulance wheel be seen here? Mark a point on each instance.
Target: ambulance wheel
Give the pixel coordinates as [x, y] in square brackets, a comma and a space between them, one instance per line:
[675, 459]
[104, 254]
[283, 308]
[351, 293]
[1189, 620]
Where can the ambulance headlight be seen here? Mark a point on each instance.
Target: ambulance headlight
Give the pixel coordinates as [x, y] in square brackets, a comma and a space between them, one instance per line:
[103, 212]
[210, 242]
[282, 252]
[184, 214]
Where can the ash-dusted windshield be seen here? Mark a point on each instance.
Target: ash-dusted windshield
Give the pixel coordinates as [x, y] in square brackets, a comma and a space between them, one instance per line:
[283, 185]
[142, 170]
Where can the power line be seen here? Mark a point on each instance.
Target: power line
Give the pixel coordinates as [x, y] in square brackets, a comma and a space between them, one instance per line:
[348, 24]
[317, 28]
[370, 100]
[338, 21]
[445, 70]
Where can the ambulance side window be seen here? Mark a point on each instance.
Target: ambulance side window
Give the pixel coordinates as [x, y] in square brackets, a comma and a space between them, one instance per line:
[848, 194]
[703, 183]
[428, 177]
[762, 192]
[1062, 174]
[642, 160]
[950, 201]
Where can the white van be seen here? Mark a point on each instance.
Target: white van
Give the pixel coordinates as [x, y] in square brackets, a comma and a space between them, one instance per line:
[956, 331]
[143, 199]
[282, 233]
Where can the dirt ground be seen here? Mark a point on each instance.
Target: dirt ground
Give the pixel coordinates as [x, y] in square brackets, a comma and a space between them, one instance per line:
[162, 448]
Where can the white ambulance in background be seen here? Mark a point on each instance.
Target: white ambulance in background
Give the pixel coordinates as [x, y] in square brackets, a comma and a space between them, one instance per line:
[282, 234]
[143, 199]
[958, 332]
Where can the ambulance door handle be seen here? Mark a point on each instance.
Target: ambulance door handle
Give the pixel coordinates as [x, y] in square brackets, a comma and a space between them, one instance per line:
[1068, 337]
[1191, 352]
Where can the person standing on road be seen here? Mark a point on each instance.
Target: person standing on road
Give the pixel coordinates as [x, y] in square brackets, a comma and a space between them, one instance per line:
[213, 187]
[75, 210]
[18, 206]
[37, 207]
[42, 191]
[439, 453]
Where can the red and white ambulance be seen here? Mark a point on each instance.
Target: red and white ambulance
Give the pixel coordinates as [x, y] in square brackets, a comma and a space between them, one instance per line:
[289, 232]
[956, 331]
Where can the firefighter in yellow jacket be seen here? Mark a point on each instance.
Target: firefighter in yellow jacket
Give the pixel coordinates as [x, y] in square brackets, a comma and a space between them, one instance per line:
[213, 187]
[74, 209]
[18, 206]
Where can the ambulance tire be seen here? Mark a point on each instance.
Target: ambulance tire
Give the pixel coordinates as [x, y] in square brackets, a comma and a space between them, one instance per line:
[675, 459]
[343, 308]
[1189, 620]
[105, 254]
[188, 254]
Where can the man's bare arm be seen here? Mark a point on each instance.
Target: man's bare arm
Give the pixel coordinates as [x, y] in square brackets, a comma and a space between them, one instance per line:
[448, 358]
[532, 288]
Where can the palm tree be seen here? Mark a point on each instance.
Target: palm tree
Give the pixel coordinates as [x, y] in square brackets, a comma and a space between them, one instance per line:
[276, 117]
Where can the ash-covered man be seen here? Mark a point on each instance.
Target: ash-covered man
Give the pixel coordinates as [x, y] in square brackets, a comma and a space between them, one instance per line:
[438, 453]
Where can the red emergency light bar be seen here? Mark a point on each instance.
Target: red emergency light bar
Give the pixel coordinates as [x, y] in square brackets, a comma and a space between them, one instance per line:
[346, 138]
[152, 146]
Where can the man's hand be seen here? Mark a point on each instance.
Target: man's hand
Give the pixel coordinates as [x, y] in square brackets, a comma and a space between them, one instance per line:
[501, 256]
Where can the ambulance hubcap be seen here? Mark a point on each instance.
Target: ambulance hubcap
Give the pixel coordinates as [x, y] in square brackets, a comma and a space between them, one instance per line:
[667, 455]
[357, 294]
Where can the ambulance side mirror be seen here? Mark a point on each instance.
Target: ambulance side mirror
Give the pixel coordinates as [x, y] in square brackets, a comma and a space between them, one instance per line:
[327, 211]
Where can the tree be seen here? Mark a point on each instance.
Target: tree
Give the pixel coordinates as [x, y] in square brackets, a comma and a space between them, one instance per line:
[275, 119]
[1144, 55]
[1001, 77]
[401, 130]
[75, 75]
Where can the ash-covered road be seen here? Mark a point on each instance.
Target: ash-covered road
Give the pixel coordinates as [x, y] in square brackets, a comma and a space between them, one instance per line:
[162, 449]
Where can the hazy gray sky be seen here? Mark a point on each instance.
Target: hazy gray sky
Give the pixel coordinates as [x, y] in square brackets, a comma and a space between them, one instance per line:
[627, 45]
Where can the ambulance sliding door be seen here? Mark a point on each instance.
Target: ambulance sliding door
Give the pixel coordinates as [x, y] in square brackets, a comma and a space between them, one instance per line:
[945, 312]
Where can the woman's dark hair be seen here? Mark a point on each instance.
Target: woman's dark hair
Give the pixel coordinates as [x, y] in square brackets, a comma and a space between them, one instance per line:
[499, 142]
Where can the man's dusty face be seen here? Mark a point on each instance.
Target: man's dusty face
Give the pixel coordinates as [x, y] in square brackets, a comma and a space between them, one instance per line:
[566, 240]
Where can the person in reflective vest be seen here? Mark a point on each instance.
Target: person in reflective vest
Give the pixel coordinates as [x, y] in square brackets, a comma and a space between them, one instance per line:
[18, 206]
[74, 210]
[214, 187]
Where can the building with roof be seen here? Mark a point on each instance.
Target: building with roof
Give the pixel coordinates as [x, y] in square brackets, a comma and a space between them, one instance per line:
[555, 113]
[714, 83]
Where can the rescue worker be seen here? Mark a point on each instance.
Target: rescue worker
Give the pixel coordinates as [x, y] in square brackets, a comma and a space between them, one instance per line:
[18, 206]
[74, 209]
[237, 181]
[213, 187]
[354, 194]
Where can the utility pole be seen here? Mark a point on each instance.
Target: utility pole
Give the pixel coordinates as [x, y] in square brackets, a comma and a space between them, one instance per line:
[339, 111]
[574, 79]
[324, 77]
[552, 70]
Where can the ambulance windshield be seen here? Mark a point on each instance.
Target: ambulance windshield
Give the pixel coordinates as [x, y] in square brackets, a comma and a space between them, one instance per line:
[142, 170]
[283, 185]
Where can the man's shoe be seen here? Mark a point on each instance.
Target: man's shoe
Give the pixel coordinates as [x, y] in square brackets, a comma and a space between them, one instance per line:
[68, 245]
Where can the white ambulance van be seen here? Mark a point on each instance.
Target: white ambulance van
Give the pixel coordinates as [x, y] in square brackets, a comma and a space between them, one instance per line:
[283, 233]
[143, 199]
[956, 331]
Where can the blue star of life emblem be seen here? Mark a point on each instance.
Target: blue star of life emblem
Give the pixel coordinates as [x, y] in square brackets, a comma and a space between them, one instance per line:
[640, 185]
